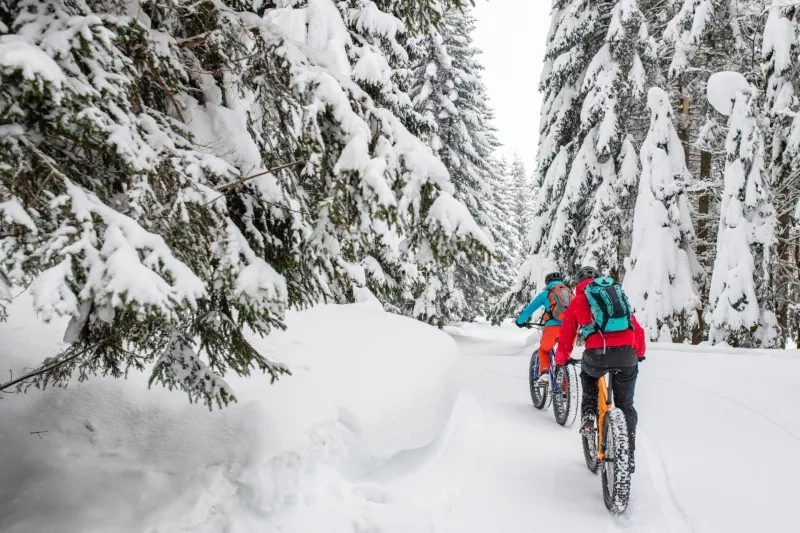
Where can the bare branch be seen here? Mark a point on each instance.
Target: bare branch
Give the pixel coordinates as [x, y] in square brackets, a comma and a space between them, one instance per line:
[167, 92]
[227, 188]
[52, 366]
[193, 41]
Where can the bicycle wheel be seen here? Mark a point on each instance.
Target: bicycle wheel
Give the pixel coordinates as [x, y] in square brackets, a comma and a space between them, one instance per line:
[566, 395]
[616, 473]
[590, 450]
[539, 392]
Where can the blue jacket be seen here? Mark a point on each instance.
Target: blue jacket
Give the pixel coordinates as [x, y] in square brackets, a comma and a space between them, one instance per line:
[542, 300]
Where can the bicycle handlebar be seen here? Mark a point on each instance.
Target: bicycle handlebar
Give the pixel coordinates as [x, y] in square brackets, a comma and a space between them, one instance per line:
[528, 325]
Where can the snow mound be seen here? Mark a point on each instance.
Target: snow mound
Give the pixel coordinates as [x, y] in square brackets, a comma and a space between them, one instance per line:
[722, 88]
[116, 457]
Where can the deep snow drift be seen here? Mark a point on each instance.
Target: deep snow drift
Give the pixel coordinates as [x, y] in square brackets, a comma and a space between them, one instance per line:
[117, 457]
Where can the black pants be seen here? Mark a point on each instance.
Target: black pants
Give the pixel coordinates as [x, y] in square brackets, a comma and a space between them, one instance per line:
[623, 383]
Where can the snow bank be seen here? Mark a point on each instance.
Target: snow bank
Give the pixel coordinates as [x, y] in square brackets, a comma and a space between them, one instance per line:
[481, 330]
[116, 457]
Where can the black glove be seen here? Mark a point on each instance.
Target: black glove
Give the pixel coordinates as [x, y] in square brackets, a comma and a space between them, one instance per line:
[641, 359]
[519, 325]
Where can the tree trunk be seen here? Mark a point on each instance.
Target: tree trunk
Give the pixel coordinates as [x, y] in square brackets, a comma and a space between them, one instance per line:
[683, 135]
[703, 206]
[784, 257]
[683, 126]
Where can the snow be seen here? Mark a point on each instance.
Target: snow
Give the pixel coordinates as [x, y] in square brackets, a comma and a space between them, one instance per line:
[778, 38]
[13, 211]
[132, 266]
[383, 428]
[372, 68]
[661, 284]
[17, 54]
[528, 474]
[453, 218]
[367, 387]
[746, 238]
[722, 89]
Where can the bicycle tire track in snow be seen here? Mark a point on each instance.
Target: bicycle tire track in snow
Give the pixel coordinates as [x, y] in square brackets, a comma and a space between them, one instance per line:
[675, 518]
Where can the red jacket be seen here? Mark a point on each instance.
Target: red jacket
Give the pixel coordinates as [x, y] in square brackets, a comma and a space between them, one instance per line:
[579, 314]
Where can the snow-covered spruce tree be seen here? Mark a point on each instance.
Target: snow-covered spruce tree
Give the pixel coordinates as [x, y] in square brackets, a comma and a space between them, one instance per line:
[521, 191]
[781, 50]
[615, 84]
[173, 173]
[502, 270]
[598, 60]
[703, 37]
[741, 312]
[504, 228]
[570, 40]
[661, 284]
[449, 95]
[514, 202]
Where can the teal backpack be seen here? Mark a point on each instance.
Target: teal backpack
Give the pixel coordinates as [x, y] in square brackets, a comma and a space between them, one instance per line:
[609, 305]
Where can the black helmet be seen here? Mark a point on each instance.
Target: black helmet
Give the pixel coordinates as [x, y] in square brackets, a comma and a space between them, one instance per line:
[553, 276]
[587, 272]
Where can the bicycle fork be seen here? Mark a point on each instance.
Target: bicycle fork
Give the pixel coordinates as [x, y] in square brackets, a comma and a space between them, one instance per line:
[605, 403]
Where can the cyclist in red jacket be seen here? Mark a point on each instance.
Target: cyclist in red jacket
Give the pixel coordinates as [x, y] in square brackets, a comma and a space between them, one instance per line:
[611, 350]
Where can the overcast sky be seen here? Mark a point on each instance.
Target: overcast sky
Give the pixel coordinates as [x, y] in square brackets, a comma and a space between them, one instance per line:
[512, 35]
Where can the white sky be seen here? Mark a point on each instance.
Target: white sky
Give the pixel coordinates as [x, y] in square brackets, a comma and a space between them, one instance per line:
[512, 35]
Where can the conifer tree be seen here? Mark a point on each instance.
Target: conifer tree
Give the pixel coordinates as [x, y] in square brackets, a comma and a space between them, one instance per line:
[521, 188]
[661, 284]
[741, 313]
[597, 64]
[174, 172]
[570, 42]
[615, 84]
[703, 37]
[781, 49]
[450, 98]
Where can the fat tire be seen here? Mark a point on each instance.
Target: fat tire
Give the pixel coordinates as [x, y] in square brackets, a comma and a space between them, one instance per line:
[565, 401]
[540, 394]
[590, 450]
[615, 472]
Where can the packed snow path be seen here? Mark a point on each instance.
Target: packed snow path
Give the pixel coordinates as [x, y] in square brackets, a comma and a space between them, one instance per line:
[716, 448]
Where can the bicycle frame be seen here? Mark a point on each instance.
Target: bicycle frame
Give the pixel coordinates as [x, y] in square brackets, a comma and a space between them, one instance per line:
[552, 372]
[605, 403]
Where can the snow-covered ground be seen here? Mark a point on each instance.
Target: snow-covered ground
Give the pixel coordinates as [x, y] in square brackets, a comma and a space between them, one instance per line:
[384, 429]
[115, 457]
[718, 434]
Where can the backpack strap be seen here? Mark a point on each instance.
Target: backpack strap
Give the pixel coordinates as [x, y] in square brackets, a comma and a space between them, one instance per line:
[629, 310]
[549, 312]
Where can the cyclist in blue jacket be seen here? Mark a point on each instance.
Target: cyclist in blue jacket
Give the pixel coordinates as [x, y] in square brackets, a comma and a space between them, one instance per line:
[555, 298]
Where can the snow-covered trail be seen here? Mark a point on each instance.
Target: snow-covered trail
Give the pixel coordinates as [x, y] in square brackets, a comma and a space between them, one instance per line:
[410, 438]
[715, 453]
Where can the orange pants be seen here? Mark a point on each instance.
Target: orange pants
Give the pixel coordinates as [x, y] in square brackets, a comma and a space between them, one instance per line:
[549, 339]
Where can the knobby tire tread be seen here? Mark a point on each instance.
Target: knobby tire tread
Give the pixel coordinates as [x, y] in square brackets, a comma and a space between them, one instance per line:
[616, 492]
